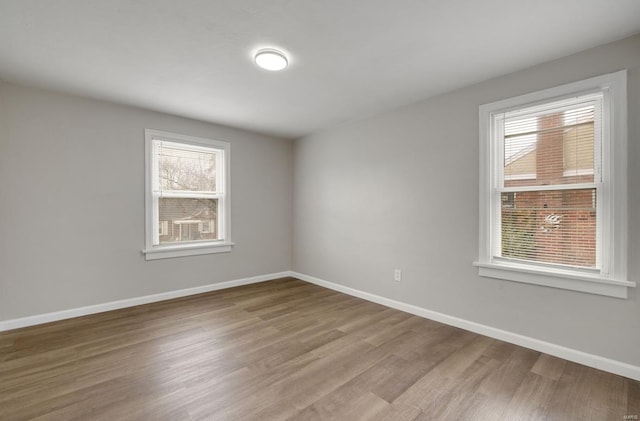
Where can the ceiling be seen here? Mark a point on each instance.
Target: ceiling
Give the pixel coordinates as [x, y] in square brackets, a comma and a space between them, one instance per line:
[348, 59]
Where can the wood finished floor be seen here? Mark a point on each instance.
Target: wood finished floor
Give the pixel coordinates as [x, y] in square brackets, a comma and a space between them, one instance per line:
[286, 349]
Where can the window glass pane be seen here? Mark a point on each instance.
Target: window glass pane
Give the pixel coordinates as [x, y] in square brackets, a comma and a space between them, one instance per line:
[552, 147]
[184, 219]
[181, 168]
[520, 160]
[557, 227]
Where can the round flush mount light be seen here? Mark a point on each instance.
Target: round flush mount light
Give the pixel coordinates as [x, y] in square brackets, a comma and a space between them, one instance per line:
[271, 59]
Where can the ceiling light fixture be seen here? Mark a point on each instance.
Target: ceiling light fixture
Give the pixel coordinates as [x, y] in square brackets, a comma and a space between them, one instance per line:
[271, 59]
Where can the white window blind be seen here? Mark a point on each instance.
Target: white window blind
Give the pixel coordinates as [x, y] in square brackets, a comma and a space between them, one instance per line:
[186, 192]
[549, 183]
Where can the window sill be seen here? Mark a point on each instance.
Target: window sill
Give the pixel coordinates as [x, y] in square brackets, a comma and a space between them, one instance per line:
[167, 252]
[583, 282]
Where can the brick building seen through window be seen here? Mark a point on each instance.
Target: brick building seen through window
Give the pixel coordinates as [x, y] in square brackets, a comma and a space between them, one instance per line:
[550, 226]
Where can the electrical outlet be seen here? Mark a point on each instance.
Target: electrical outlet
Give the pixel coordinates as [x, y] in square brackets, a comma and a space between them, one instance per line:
[397, 275]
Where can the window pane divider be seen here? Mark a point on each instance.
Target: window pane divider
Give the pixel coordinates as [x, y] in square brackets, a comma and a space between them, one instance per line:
[578, 186]
[187, 195]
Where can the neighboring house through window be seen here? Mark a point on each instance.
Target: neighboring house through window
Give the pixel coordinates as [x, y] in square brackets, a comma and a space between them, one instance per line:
[553, 187]
[187, 195]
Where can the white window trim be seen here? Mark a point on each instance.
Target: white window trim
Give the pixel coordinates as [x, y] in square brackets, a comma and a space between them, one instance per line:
[612, 280]
[153, 252]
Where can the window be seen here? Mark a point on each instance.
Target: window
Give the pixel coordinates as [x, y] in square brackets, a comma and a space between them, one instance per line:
[553, 187]
[187, 196]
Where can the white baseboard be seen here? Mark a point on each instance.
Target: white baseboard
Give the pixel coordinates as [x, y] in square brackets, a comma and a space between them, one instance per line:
[130, 302]
[595, 361]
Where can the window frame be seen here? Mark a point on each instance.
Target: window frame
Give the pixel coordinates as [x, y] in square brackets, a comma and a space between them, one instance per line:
[154, 251]
[611, 279]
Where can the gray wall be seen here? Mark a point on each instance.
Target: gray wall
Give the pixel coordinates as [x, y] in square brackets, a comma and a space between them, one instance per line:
[72, 204]
[395, 191]
[400, 190]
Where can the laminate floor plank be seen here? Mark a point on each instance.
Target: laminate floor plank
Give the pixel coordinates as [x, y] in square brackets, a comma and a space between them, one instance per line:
[633, 398]
[399, 412]
[603, 396]
[288, 350]
[344, 404]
